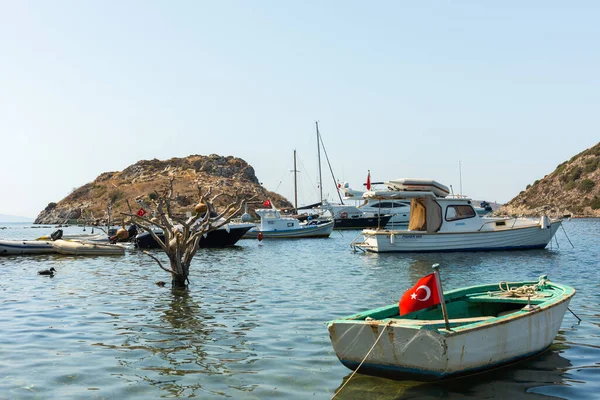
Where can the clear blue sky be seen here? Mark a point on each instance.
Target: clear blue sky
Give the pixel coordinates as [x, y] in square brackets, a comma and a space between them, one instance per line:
[405, 89]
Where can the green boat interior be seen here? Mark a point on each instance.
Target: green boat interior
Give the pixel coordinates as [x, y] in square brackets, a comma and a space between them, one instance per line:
[468, 306]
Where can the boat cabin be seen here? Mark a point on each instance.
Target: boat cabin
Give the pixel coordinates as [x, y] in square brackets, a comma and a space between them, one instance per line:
[271, 220]
[431, 210]
[432, 214]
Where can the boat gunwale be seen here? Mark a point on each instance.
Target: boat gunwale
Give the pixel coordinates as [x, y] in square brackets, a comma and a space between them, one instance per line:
[540, 305]
[400, 232]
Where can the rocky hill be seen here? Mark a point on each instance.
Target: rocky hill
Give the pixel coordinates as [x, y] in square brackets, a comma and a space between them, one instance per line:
[572, 189]
[224, 174]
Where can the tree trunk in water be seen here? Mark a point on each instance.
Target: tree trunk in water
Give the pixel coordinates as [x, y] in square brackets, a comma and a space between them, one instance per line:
[178, 280]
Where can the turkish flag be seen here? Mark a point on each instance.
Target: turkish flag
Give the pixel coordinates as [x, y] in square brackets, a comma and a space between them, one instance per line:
[369, 181]
[141, 212]
[424, 294]
[267, 203]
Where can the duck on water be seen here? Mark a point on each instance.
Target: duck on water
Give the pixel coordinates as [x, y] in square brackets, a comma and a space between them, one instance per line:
[49, 272]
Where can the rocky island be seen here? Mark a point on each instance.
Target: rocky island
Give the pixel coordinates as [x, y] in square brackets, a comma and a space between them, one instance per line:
[90, 202]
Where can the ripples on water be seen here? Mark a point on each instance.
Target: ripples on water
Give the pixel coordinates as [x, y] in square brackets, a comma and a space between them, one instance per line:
[253, 324]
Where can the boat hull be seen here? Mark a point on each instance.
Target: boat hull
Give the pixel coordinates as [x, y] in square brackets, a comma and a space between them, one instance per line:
[307, 231]
[532, 237]
[434, 353]
[216, 238]
[361, 222]
[22, 247]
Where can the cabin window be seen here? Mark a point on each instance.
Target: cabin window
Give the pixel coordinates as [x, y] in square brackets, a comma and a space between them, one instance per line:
[454, 213]
[390, 204]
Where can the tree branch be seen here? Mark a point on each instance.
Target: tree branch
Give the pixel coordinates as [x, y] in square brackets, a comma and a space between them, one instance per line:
[158, 262]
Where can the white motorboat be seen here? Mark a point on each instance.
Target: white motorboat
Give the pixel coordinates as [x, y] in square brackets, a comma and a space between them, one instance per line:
[274, 226]
[452, 224]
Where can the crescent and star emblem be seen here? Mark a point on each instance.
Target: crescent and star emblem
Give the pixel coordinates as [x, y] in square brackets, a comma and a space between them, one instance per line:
[426, 289]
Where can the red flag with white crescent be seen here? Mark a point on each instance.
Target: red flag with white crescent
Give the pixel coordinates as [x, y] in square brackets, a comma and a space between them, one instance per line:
[267, 203]
[141, 212]
[424, 294]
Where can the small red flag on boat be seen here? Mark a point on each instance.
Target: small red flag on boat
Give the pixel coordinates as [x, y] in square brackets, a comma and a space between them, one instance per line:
[424, 294]
[369, 180]
[141, 212]
[267, 203]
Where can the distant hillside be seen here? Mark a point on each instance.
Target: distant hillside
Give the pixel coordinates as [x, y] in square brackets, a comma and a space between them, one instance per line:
[224, 174]
[14, 218]
[573, 188]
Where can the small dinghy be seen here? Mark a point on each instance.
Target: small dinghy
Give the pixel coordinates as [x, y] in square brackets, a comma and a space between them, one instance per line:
[78, 248]
[431, 336]
[18, 247]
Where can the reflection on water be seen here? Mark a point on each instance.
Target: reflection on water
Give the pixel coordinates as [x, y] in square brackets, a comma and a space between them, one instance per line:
[509, 382]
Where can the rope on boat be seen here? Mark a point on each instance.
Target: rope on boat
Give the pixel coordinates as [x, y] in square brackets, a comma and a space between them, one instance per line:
[565, 232]
[575, 315]
[363, 360]
[525, 290]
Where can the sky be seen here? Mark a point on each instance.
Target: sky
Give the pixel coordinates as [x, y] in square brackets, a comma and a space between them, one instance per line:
[483, 96]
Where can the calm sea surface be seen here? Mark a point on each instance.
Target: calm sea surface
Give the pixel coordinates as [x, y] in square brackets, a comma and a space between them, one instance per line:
[253, 323]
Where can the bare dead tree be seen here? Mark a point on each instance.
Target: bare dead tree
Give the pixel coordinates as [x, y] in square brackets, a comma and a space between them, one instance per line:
[181, 237]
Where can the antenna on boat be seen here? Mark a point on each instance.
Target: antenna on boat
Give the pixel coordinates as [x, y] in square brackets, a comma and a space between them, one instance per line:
[295, 184]
[460, 178]
[319, 157]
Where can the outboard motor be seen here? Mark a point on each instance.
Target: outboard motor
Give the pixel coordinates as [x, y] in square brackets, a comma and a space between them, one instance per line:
[57, 234]
[132, 231]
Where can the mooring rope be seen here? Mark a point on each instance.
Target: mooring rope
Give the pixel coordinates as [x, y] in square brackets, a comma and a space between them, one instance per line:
[522, 291]
[565, 232]
[363, 360]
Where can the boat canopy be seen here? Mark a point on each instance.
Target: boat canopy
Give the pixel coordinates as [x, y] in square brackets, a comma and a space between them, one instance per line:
[425, 215]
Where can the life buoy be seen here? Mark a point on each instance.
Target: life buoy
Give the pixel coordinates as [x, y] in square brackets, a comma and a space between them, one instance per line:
[343, 215]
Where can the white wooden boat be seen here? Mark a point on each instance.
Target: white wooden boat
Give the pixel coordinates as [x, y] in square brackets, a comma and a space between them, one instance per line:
[489, 326]
[452, 224]
[18, 247]
[274, 226]
[74, 247]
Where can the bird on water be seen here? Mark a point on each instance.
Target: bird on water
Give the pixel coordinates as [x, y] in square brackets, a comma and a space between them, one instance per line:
[50, 271]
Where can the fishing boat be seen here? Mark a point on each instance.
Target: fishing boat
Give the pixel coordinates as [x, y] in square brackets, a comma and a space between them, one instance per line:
[440, 223]
[472, 329]
[79, 248]
[20, 247]
[274, 226]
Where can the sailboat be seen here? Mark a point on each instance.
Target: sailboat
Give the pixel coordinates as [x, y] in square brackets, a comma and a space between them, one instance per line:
[274, 225]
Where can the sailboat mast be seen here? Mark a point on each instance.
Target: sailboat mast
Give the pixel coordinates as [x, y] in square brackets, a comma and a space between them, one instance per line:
[331, 170]
[295, 184]
[319, 157]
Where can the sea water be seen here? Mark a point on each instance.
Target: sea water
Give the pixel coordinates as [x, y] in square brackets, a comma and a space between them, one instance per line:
[253, 323]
